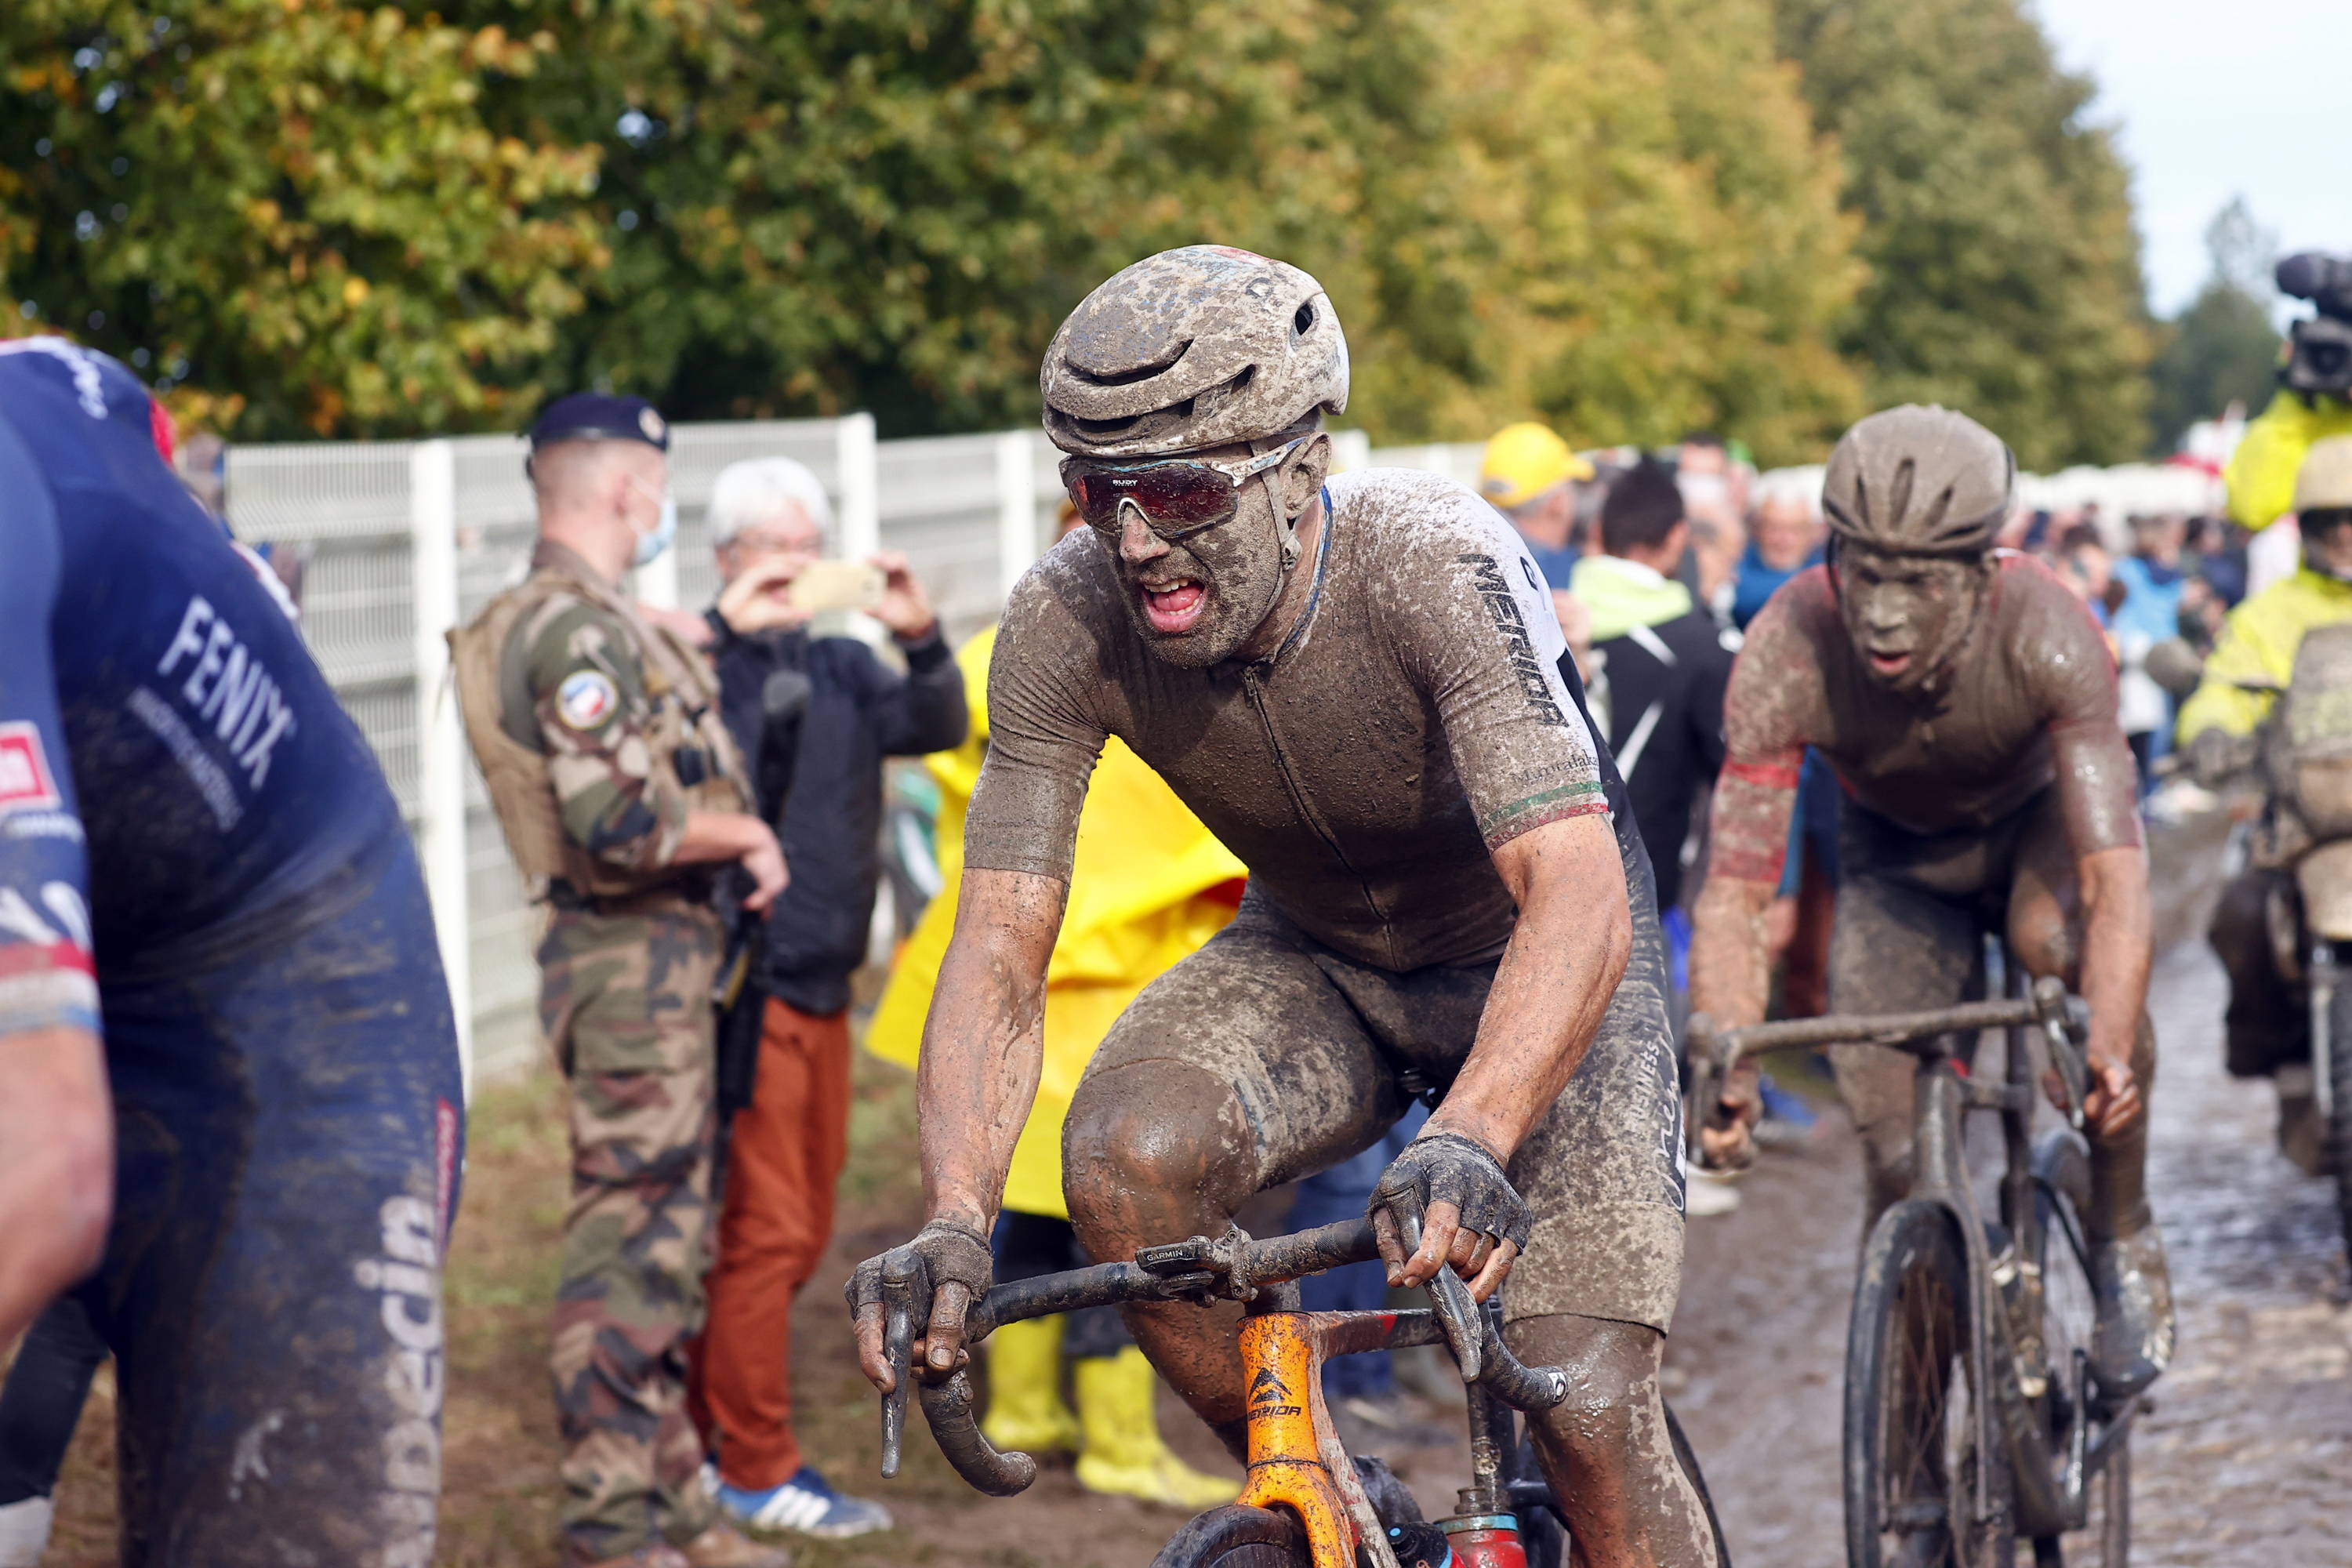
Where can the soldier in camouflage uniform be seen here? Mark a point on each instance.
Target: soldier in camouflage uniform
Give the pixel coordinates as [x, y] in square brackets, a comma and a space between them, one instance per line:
[622, 797]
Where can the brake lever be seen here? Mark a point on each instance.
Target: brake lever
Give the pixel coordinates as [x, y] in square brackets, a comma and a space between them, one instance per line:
[1458, 1314]
[2062, 1020]
[905, 1278]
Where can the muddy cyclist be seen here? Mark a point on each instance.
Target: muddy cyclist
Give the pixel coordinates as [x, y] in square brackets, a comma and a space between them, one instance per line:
[1355, 682]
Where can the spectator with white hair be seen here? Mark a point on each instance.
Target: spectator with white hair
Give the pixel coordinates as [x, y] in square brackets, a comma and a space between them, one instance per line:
[816, 717]
[1784, 537]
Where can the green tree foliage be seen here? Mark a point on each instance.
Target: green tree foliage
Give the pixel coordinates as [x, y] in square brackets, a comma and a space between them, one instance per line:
[1629, 226]
[1614, 214]
[2004, 270]
[2221, 349]
[290, 210]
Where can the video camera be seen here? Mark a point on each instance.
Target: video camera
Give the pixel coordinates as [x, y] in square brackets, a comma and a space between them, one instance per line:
[2319, 355]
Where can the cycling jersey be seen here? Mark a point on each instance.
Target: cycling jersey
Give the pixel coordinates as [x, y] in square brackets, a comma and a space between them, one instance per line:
[1414, 720]
[169, 752]
[200, 856]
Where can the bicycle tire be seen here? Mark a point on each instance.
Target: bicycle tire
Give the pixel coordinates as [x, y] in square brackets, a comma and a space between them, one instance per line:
[1545, 1532]
[1238, 1537]
[1688, 1458]
[2339, 1118]
[2062, 1182]
[1911, 1479]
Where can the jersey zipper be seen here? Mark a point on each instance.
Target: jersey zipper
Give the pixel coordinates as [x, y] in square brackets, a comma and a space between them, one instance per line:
[1252, 687]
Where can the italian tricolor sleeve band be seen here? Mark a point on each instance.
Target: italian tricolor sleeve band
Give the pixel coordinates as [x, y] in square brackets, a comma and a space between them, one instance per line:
[1500, 827]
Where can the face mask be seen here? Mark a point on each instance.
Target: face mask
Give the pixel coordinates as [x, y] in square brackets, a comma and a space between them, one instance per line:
[651, 545]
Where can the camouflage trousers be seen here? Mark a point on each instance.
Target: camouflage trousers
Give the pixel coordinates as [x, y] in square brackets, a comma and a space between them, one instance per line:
[626, 1004]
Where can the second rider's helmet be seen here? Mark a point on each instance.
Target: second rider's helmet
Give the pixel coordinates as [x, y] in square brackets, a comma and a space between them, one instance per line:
[1919, 481]
[1193, 348]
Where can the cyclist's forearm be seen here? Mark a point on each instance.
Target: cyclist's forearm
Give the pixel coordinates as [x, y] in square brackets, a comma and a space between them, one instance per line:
[1730, 967]
[56, 1167]
[983, 1045]
[2117, 933]
[1731, 963]
[1552, 989]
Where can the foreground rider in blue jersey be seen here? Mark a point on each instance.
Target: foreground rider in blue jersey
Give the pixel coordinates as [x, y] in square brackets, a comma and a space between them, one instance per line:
[230, 1097]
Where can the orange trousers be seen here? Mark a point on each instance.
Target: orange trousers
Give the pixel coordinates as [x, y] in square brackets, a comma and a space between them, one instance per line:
[777, 1218]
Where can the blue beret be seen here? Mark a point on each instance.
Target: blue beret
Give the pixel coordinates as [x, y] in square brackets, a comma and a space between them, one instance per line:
[599, 416]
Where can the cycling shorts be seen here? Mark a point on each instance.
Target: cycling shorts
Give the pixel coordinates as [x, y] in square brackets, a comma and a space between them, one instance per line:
[1324, 1054]
[288, 1123]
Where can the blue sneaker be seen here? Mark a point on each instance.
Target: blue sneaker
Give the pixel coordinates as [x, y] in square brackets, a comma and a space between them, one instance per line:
[807, 1504]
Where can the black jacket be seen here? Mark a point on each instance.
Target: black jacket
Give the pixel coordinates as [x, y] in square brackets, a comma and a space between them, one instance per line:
[1665, 726]
[816, 717]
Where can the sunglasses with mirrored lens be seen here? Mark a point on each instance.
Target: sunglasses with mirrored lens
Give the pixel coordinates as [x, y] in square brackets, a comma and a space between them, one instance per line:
[1177, 496]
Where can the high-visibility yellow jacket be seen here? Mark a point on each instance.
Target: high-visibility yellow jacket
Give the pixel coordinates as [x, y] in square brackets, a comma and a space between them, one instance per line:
[2262, 470]
[2259, 643]
[1149, 885]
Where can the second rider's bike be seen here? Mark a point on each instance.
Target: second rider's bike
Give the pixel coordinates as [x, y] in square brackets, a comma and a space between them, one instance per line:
[1972, 1418]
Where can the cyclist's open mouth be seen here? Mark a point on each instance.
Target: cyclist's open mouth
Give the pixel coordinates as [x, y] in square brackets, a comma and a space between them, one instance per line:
[1890, 665]
[1174, 608]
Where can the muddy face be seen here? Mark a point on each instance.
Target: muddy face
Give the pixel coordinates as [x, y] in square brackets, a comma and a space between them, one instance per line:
[1906, 613]
[1194, 602]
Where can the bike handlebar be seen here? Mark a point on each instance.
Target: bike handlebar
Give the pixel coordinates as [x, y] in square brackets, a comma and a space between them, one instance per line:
[1231, 1267]
[2063, 1019]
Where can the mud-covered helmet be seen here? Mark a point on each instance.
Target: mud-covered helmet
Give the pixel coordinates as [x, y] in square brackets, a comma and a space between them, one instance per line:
[1192, 348]
[1919, 481]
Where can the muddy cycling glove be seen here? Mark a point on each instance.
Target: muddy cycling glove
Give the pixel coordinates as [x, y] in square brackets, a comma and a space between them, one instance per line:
[952, 1253]
[1448, 1168]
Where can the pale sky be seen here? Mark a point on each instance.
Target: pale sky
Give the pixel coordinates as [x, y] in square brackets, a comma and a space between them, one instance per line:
[2215, 100]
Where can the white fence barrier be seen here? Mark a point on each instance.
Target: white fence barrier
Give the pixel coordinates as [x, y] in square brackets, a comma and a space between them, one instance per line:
[407, 539]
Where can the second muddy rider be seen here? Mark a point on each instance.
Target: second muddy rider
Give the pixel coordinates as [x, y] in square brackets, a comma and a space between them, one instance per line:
[1966, 702]
[1355, 685]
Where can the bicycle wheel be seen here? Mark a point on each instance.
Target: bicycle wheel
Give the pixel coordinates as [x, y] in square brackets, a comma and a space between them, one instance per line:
[1688, 1458]
[2070, 1312]
[1913, 1465]
[1238, 1537]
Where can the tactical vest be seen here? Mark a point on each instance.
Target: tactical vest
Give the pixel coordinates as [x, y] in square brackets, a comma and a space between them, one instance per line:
[684, 695]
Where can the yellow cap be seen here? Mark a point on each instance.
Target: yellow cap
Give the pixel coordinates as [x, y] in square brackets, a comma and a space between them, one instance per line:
[1525, 460]
[2325, 480]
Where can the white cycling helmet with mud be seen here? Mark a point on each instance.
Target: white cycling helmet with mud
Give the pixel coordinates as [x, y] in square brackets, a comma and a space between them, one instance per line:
[1193, 348]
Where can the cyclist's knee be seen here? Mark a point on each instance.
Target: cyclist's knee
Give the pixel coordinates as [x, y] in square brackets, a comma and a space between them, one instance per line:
[2047, 934]
[1154, 1144]
[1613, 1381]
